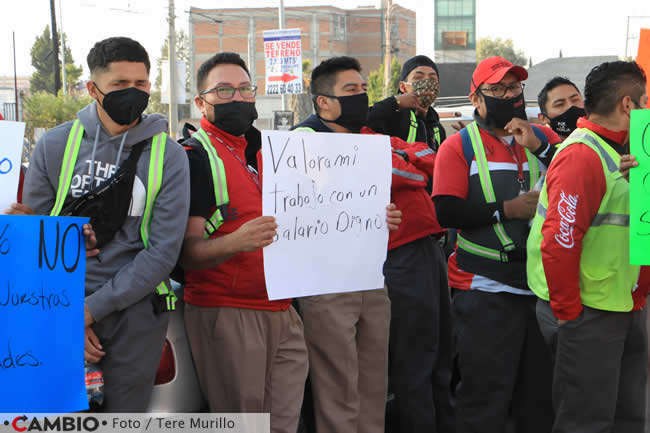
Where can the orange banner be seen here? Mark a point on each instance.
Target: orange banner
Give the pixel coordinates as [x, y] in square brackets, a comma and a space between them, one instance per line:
[643, 58]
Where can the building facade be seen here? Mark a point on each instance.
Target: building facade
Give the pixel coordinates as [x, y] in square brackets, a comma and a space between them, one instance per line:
[8, 97]
[325, 32]
[455, 31]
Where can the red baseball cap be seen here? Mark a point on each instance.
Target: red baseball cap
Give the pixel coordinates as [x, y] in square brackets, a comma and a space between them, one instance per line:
[493, 69]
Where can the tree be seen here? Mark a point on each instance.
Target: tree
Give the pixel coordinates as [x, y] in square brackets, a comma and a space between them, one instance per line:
[488, 47]
[42, 79]
[376, 81]
[44, 110]
[301, 104]
[182, 54]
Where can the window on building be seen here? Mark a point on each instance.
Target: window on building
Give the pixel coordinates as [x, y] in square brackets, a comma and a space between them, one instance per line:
[454, 40]
[455, 23]
[339, 27]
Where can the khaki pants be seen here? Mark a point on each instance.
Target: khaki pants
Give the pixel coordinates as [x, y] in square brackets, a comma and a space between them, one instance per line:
[250, 361]
[347, 338]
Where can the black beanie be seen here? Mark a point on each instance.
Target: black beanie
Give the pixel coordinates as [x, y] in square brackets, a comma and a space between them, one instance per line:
[414, 62]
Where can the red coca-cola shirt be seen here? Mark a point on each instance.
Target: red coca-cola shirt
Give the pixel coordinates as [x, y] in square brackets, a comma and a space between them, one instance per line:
[576, 185]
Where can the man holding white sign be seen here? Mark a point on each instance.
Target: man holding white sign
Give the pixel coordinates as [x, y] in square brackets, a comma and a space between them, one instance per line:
[347, 333]
[249, 351]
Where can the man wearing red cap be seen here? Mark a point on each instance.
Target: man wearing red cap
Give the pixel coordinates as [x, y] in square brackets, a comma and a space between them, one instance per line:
[486, 191]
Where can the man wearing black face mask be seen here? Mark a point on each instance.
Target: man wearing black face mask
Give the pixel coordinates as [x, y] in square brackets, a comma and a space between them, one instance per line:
[561, 106]
[127, 292]
[486, 192]
[255, 359]
[347, 333]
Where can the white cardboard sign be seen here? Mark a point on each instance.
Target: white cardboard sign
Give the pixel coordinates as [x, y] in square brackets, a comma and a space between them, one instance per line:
[11, 151]
[328, 193]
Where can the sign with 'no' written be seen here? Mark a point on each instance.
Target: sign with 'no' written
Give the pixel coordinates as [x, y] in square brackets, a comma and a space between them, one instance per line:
[42, 280]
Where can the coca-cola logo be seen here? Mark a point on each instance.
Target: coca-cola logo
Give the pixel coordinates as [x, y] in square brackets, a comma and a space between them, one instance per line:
[567, 210]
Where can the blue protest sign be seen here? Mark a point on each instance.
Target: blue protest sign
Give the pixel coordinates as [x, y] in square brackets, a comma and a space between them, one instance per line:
[42, 279]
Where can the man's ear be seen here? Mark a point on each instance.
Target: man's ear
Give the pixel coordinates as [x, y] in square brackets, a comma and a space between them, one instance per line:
[475, 99]
[323, 103]
[402, 87]
[92, 90]
[200, 104]
[543, 119]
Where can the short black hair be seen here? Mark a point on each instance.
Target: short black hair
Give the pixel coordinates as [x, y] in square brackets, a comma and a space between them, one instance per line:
[542, 98]
[610, 82]
[224, 58]
[323, 77]
[117, 49]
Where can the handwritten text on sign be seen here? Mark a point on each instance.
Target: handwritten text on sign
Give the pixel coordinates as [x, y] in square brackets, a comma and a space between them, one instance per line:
[42, 273]
[640, 188]
[328, 193]
[11, 147]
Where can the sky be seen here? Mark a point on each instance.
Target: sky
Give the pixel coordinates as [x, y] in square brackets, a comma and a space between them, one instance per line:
[540, 28]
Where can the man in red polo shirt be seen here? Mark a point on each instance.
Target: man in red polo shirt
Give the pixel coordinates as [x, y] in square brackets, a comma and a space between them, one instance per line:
[249, 352]
[486, 192]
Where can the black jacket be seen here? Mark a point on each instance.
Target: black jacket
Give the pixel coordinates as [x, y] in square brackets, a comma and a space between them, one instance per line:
[384, 118]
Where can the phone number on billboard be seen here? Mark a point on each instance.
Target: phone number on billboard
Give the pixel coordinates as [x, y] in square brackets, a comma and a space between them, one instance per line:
[278, 89]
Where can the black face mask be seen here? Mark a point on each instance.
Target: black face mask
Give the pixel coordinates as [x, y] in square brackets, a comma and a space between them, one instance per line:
[354, 111]
[234, 117]
[566, 123]
[124, 106]
[501, 111]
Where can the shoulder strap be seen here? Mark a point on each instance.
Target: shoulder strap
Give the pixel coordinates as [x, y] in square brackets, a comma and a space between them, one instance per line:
[70, 155]
[468, 150]
[221, 197]
[304, 129]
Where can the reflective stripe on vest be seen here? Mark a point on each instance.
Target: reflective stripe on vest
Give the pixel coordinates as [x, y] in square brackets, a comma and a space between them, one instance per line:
[606, 278]
[156, 162]
[305, 129]
[413, 130]
[70, 155]
[490, 197]
[218, 171]
[67, 167]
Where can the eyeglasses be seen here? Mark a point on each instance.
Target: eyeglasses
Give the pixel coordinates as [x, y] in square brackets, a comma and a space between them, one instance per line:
[227, 92]
[499, 90]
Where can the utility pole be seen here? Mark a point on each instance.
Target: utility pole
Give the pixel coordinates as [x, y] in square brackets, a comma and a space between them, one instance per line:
[15, 77]
[388, 48]
[627, 36]
[65, 82]
[281, 19]
[55, 50]
[173, 108]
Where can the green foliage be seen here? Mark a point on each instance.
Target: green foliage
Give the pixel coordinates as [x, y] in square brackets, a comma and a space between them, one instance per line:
[42, 79]
[488, 47]
[44, 110]
[376, 81]
[182, 54]
[300, 104]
